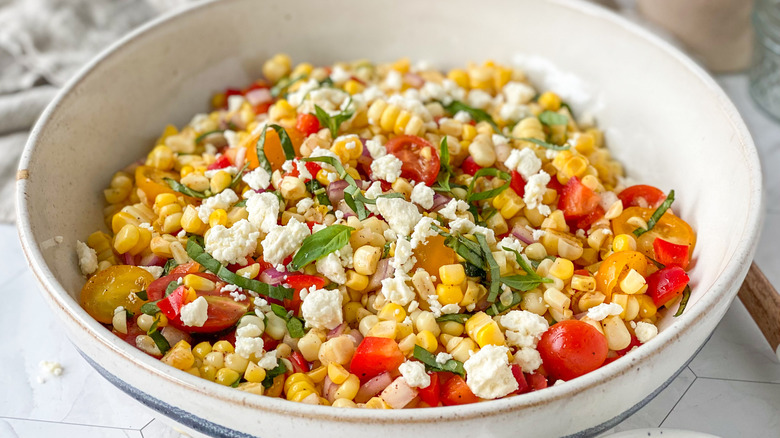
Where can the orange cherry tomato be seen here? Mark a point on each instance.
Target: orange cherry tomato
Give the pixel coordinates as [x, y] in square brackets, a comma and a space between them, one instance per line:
[572, 348]
[433, 255]
[111, 288]
[151, 181]
[614, 269]
[456, 392]
[670, 228]
[272, 148]
[420, 159]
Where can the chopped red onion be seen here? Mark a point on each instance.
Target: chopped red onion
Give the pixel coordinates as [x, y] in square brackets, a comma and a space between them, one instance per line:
[523, 234]
[383, 270]
[337, 331]
[335, 191]
[258, 96]
[152, 260]
[329, 389]
[128, 259]
[439, 201]
[398, 394]
[373, 387]
[356, 337]
[414, 80]
[272, 276]
[174, 335]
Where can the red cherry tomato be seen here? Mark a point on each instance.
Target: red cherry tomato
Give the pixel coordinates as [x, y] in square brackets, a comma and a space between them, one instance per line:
[572, 348]
[156, 289]
[536, 381]
[522, 384]
[634, 343]
[671, 254]
[470, 166]
[642, 196]
[375, 356]
[223, 312]
[456, 392]
[409, 149]
[298, 283]
[666, 285]
[220, 163]
[308, 124]
[187, 268]
[517, 184]
[430, 394]
[577, 200]
[590, 218]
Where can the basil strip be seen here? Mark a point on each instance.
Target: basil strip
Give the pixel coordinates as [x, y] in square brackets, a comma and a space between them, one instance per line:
[353, 197]
[333, 123]
[524, 282]
[544, 144]
[498, 308]
[150, 308]
[476, 114]
[314, 187]
[181, 188]
[551, 118]
[283, 84]
[197, 253]
[239, 175]
[492, 268]
[320, 244]
[460, 318]
[158, 338]
[142, 295]
[488, 171]
[241, 203]
[172, 286]
[294, 325]
[429, 360]
[200, 138]
[443, 179]
[270, 375]
[284, 139]
[169, 265]
[464, 248]
[657, 214]
[684, 302]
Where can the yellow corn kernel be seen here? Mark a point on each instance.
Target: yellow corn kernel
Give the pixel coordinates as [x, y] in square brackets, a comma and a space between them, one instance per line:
[384, 329]
[576, 166]
[427, 340]
[562, 268]
[484, 330]
[164, 199]
[190, 221]
[449, 294]
[323, 177]
[452, 328]
[343, 403]
[469, 132]
[337, 373]
[584, 143]
[623, 242]
[208, 372]
[366, 258]
[119, 220]
[590, 299]
[583, 283]
[392, 312]
[618, 336]
[186, 170]
[250, 271]
[353, 87]
[223, 347]
[550, 101]
[180, 356]
[556, 299]
[277, 67]
[508, 203]
[349, 388]
[126, 238]
[647, 308]
[633, 282]
[452, 275]
[356, 281]
[402, 65]
[376, 403]
[161, 157]
[218, 217]
[317, 375]
[201, 350]
[460, 348]
[254, 373]
[295, 379]
[460, 77]
[197, 282]
[220, 181]
[227, 377]
[302, 69]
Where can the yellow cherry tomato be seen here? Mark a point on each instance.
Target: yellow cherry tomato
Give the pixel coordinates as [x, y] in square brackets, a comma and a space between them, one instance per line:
[670, 228]
[433, 255]
[111, 288]
[151, 181]
[615, 267]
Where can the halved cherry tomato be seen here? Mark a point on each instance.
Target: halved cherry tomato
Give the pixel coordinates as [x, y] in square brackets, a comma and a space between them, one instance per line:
[641, 196]
[666, 285]
[223, 312]
[522, 384]
[572, 348]
[171, 305]
[298, 283]
[151, 181]
[470, 166]
[156, 289]
[456, 392]
[220, 163]
[590, 218]
[615, 267]
[111, 288]
[517, 184]
[670, 228]
[186, 268]
[272, 148]
[308, 124]
[577, 200]
[671, 254]
[634, 343]
[536, 381]
[420, 159]
[375, 356]
[434, 254]
[430, 394]
[311, 167]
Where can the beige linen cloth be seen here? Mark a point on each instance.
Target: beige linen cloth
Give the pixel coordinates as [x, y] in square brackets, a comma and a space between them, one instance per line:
[43, 43]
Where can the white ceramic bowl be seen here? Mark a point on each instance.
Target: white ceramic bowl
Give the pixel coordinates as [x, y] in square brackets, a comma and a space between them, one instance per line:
[666, 119]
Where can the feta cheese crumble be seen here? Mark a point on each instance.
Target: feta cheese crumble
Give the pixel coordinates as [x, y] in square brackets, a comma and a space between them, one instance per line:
[645, 331]
[603, 310]
[535, 187]
[422, 195]
[321, 309]
[232, 245]
[523, 328]
[524, 161]
[401, 215]
[196, 313]
[375, 149]
[156, 271]
[442, 358]
[488, 373]
[387, 168]
[257, 179]
[282, 241]
[414, 374]
[88, 261]
[223, 200]
[330, 266]
[395, 290]
[248, 346]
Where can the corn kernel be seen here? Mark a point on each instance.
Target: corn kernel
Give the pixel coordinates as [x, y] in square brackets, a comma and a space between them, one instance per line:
[254, 373]
[449, 294]
[623, 242]
[484, 330]
[197, 282]
[337, 373]
[227, 377]
[633, 282]
[392, 312]
[427, 340]
[550, 101]
[562, 268]
[452, 275]
[356, 281]
[223, 347]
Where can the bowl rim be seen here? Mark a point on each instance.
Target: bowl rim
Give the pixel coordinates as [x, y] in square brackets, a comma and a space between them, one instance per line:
[724, 286]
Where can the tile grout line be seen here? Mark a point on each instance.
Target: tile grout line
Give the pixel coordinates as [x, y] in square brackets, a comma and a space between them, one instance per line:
[678, 401]
[740, 381]
[67, 423]
[146, 425]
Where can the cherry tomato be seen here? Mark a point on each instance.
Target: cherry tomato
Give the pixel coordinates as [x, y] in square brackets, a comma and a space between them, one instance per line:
[518, 183]
[300, 365]
[220, 163]
[223, 312]
[456, 392]
[298, 283]
[375, 356]
[671, 254]
[111, 288]
[434, 254]
[151, 181]
[420, 159]
[156, 289]
[522, 384]
[187, 268]
[666, 285]
[536, 381]
[272, 148]
[614, 269]
[572, 348]
[308, 124]
[670, 228]
[634, 343]
[641, 196]
[430, 394]
[577, 200]
[470, 166]
[590, 218]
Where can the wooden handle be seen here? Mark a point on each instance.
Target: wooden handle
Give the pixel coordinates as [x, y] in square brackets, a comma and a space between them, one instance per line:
[763, 302]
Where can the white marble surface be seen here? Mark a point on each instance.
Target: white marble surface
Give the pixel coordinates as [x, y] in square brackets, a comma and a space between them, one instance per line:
[730, 389]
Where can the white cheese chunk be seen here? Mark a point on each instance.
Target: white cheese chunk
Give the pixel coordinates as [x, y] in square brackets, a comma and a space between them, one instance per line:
[257, 179]
[603, 310]
[645, 331]
[223, 200]
[386, 168]
[524, 161]
[488, 373]
[422, 195]
[523, 328]
[321, 309]
[232, 245]
[535, 187]
[414, 374]
[395, 290]
[196, 313]
[330, 266]
[282, 241]
[88, 261]
[401, 215]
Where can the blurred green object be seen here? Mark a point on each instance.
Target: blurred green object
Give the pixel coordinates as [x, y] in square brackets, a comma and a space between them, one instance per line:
[765, 71]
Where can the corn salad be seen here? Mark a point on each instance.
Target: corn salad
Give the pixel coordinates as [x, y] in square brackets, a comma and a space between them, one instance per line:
[384, 236]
